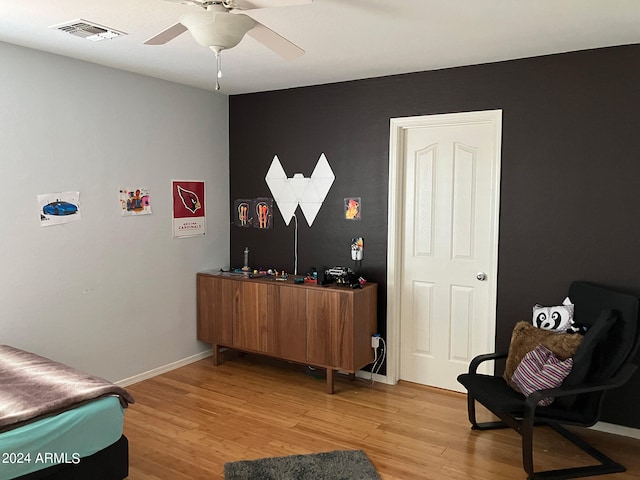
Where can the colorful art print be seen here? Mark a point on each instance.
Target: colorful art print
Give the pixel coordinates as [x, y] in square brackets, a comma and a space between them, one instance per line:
[59, 208]
[242, 212]
[263, 211]
[189, 218]
[135, 201]
[352, 208]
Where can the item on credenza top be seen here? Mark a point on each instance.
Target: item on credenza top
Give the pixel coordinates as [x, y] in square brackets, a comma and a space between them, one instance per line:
[311, 276]
[342, 276]
[357, 249]
[246, 267]
[338, 272]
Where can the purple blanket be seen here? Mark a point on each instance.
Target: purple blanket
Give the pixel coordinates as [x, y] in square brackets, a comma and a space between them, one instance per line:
[32, 386]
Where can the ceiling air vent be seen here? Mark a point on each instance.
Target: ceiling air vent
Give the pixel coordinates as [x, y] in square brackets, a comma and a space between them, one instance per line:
[90, 31]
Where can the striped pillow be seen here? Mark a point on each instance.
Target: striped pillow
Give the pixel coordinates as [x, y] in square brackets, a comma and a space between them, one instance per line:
[539, 370]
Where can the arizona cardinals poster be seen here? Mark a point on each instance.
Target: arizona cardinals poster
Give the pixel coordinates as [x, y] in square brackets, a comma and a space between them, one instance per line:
[189, 218]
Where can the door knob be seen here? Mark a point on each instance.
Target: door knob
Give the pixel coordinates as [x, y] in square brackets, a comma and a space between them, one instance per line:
[481, 276]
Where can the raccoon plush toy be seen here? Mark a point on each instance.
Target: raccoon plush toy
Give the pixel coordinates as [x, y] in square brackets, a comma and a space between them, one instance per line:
[555, 319]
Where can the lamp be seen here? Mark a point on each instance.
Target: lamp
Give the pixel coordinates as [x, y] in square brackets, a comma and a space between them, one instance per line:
[217, 29]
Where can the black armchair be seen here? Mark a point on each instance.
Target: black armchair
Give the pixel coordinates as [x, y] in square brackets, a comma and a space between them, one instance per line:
[602, 362]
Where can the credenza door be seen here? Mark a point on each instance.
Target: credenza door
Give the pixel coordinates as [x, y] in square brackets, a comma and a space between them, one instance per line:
[215, 310]
[286, 322]
[330, 328]
[250, 316]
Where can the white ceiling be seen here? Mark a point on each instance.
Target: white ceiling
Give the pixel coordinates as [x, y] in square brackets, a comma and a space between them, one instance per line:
[343, 39]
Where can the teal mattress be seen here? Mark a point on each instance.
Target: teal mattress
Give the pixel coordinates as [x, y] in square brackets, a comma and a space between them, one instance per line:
[64, 438]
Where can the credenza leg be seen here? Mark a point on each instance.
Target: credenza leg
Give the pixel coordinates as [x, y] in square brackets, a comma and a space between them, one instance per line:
[216, 354]
[330, 380]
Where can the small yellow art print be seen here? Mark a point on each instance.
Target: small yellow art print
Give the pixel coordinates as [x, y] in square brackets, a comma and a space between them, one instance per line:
[352, 208]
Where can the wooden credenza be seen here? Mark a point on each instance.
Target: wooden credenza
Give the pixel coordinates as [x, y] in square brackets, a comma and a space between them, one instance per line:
[323, 326]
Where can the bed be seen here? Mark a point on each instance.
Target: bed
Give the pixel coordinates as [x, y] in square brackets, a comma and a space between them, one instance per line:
[59, 423]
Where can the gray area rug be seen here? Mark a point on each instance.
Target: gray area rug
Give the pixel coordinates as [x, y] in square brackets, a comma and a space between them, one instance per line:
[336, 465]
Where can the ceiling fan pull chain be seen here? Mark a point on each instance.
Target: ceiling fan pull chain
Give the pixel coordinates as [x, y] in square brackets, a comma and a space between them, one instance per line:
[219, 69]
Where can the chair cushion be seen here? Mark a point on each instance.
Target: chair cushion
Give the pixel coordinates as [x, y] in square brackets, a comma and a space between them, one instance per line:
[526, 337]
[539, 370]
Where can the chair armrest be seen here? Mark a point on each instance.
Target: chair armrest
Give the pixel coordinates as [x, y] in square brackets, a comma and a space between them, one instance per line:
[475, 362]
[619, 379]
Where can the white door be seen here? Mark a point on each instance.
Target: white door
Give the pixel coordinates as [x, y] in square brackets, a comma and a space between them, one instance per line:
[449, 228]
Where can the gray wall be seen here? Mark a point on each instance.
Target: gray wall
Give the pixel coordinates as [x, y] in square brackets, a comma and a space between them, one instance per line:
[109, 294]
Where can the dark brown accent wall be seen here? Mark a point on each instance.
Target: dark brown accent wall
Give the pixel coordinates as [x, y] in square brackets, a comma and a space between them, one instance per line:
[570, 173]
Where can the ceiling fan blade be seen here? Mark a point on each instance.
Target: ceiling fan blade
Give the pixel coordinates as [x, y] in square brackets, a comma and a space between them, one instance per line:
[197, 3]
[251, 4]
[275, 42]
[186, 2]
[166, 35]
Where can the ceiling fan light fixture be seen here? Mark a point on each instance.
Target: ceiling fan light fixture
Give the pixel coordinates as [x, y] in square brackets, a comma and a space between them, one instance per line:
[214, 29]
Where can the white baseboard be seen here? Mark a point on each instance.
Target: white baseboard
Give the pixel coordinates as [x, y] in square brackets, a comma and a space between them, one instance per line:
[207, 353]
[163, 369]
[376, 377]
[617, 429]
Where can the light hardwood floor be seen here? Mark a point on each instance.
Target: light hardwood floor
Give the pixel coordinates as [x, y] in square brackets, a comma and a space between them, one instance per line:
[187, 423]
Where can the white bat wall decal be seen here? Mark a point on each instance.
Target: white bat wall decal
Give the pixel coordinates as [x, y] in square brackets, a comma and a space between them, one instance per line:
[309, 193]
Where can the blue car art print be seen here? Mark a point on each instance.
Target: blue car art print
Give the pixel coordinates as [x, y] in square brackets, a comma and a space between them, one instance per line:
[59, 208]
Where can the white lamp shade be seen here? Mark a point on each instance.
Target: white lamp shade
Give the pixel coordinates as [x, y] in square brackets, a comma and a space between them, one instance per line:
[217, 29]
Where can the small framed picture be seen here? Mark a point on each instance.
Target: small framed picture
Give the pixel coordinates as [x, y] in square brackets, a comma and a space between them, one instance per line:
[135, 201]
[242, 212]
[263, 213]
[352, 208]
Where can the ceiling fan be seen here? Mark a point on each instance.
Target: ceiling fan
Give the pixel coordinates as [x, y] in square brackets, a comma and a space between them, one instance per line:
[219, 27]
